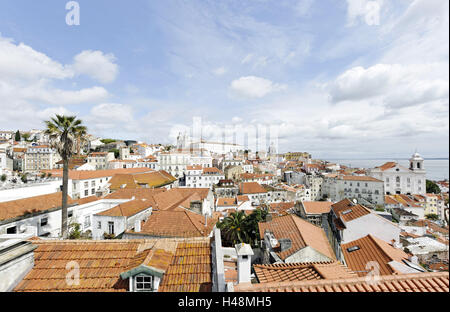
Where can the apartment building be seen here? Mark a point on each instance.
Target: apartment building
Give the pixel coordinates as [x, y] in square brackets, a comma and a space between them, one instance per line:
[40, 157]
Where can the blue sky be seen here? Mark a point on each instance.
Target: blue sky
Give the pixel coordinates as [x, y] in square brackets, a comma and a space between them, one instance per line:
[349, 79]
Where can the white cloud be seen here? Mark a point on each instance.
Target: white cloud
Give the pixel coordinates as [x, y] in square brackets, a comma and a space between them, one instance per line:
[220, 71]
[367, 10]
[255, 87]
[96, 64]
[23, 62]
[397, 85]
[65, 97]
[303, 7]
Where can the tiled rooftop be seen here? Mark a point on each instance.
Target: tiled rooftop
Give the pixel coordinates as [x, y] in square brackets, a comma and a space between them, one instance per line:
[300, 232]
[17, 208]
[422, 282]
[317, 207]
[301, 271]
[186, 263]
[372, 249]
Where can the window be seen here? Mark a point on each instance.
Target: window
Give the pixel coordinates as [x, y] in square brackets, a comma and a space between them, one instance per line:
[87, 221]
[11, 230]
[44, 221]
[99, 225]
[143, 283]
[110, 228]
[86, 184]
[397, 179]
[70, 214]
[86, 192]
[92, 191]
[354, 248]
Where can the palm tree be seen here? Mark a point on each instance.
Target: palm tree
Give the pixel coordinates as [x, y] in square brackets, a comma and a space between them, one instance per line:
[62, 132]
[80, 137]
[233, 228]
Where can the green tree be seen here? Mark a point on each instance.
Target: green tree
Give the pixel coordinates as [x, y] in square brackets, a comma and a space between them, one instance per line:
[107, 141]
[17, 136]
[26, 136]
[115, 151]
[62, 131]
[251, 225]
[74, 231]
[80, 137]
[233, 228]
[432, 216]
[3, 178]
[24, 178]
[433, 187]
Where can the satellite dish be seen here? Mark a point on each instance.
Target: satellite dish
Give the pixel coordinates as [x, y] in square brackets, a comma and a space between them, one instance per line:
[355, 201]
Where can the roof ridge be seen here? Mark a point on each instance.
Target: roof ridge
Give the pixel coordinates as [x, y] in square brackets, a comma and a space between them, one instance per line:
[348, 281]
[375, 240]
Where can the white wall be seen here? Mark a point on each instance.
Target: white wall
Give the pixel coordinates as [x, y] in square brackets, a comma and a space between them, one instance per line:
[32, 224]
[370, 224]
[30, 190]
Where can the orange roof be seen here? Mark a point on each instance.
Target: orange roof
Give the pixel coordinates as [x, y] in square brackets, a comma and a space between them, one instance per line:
[147, 179]
[372, 249]
[178, 223]
[242, 198]
[281, 208]
[348, 211]
[127, 209]
[317, 207]
[100, 265]
[300, 232]
[212, 170]
[226, 201]
[21, 207]
[186, 264]
[360, 178]
[433, 226]
[251, 188]
[198, 167]
[190, 269]
[95, 174]
[138, 193]
[387, 166]
[301, 271]
[421, 282]
[389, 200]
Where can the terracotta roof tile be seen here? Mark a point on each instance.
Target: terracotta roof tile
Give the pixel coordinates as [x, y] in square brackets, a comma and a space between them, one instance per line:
[127, 209]
[186, 264]
[372, 249]
[301, 271]
[36, 204]
[226, 201]
[251, 188]
[179, 223]
[422, 282]
[317, 207]
[348, 211]
[300, 232]
[95, 174]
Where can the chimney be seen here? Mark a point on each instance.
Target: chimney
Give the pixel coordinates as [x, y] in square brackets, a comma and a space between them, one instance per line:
[285, 244]
[414, 259]
[244, 254]
[16, 260]
[137, 226]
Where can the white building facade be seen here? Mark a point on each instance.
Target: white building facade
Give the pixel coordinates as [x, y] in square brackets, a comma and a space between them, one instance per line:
[401, 180]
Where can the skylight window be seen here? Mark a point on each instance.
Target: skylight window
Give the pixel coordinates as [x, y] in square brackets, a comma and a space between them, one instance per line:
[354, 248]
[346, 212]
